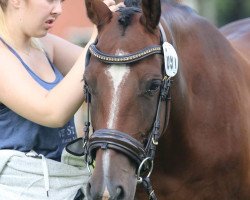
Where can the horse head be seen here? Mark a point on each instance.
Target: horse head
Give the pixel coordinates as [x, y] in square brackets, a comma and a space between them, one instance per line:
[124, 78]
[205, 153]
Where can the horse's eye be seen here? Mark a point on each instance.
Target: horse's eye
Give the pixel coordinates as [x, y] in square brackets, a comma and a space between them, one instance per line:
[153, 87]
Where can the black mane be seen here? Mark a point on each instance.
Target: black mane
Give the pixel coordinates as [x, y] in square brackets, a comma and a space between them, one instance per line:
[127, 13]
[132, 7]
[132, 3]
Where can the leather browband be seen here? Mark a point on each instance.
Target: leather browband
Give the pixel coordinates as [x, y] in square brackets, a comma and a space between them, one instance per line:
[124, 59]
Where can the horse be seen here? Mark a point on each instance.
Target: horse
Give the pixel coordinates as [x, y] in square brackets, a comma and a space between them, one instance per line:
[169, 97]
[238, 34]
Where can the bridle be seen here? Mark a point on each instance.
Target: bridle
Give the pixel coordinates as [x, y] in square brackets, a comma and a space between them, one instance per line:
[142, 155]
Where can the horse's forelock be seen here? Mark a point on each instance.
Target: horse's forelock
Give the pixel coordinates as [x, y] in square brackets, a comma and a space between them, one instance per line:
[137, 3]
[132, 7]
[126, 15]
[132, 3]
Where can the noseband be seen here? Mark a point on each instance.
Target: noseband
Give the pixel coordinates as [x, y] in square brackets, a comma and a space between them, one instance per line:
[142, 155]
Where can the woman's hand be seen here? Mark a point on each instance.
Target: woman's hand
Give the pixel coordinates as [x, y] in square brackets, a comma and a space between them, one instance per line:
[112, 5]
[109, 2]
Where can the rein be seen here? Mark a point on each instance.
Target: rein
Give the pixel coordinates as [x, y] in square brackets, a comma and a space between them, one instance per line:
[142, 155]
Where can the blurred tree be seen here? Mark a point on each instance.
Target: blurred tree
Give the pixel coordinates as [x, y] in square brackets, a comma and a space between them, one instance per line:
[231, 10]
[221, 12]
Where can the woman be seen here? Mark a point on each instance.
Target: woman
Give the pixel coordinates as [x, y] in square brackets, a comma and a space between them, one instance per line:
[39, 93]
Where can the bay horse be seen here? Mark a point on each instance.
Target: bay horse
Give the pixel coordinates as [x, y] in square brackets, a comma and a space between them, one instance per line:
[200, 113]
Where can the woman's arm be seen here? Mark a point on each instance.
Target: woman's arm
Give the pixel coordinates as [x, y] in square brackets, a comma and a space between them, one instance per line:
[22, 94]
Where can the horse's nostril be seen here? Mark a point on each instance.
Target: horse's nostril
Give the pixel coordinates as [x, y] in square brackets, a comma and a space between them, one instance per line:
[119, 193]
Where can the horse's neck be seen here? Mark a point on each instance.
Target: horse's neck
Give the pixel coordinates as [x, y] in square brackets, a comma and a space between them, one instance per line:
[207, 61]
[207, 110]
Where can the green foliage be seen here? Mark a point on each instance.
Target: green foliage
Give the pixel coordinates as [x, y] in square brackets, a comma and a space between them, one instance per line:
[231, 10]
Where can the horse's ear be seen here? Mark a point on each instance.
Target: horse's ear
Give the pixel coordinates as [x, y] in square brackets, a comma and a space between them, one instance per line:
[151, 13]
[98, 12]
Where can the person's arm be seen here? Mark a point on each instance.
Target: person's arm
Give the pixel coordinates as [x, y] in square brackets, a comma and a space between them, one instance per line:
[22, 94]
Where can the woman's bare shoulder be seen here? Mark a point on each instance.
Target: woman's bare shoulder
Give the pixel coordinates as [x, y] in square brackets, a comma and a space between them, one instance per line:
[6, 57]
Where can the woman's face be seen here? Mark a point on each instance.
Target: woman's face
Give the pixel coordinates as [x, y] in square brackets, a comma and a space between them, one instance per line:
[38, 16]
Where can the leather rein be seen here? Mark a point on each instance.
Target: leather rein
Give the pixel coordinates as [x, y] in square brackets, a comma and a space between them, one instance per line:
[142, 155]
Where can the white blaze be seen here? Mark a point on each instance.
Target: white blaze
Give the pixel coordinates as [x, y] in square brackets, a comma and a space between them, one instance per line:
[116, 74]
[106, 162]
